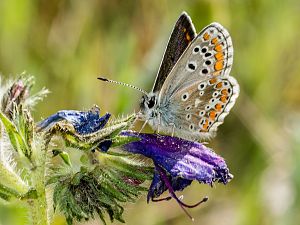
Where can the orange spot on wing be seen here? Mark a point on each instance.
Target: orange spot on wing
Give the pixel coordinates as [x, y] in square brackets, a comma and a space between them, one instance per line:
[218, 107]
[223, 99]
[214, 41]
[212, 115]
[219, 65]
[213, 80]
[219, 56]
[224, 92]
[217, 73]
[206, 36]
[205, 126]
[218, 48]
[188, 37]
[219, 85]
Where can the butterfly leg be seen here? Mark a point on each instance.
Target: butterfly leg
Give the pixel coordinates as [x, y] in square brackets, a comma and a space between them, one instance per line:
[143, 126]
[173, 128]
[159, 122]
[157, 126]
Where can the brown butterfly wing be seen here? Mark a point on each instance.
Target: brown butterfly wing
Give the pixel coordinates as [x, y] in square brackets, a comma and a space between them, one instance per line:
[182, 35]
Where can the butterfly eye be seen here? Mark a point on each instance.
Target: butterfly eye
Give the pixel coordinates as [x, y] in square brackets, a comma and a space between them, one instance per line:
[151, 102]
[207, 107]
[201, 93]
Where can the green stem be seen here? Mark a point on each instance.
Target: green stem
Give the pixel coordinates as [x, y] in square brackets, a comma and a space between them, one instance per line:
[38, 206]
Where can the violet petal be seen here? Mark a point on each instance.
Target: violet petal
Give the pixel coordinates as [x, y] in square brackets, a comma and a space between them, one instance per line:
[158, 186]
[83, 122]
[181, 158]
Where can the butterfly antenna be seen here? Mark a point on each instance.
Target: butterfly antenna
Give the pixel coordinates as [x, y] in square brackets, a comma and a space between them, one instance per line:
[121, 83]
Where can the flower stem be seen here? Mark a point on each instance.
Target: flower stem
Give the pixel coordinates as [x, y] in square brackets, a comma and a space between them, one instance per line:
[38, 206]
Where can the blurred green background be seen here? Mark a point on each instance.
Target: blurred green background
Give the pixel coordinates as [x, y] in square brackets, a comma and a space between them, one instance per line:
[67, 44]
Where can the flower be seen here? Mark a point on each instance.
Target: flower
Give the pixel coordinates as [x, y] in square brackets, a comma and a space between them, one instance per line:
[105, 180]
[87, 130]
[83, 122]
[177, 163]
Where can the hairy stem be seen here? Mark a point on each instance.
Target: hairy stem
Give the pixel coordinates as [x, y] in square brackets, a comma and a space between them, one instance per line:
[38, 206]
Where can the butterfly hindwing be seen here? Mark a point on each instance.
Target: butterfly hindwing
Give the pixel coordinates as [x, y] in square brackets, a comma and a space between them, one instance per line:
[204, 105]
[182, 35]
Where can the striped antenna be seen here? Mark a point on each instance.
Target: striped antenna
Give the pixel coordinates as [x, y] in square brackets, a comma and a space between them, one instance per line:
[121, 83]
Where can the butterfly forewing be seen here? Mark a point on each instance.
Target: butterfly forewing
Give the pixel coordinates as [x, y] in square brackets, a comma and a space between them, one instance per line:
[210, 54]
[182, 35]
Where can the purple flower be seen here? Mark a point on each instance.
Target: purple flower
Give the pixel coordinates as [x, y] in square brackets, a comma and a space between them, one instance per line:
[83, 122]
[177, 163]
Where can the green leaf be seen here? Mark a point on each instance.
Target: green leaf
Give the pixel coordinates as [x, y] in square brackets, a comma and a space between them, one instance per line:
[16, 139]
[8, 192]
[65, 157]
[31, 194]
[122, 140]
[4, 196]
[84, 159]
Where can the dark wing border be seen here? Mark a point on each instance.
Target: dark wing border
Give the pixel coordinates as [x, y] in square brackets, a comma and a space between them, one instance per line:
[182, 35]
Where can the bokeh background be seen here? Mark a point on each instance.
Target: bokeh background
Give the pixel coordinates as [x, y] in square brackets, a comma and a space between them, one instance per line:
[67, 44]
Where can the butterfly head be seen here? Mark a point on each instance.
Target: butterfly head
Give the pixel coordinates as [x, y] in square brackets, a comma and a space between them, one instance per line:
[148, 105]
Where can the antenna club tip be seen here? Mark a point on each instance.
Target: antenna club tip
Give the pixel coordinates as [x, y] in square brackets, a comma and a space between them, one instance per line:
[103, 79]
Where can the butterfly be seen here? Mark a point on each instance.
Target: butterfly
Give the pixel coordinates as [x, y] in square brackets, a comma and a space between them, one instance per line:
[193, 91]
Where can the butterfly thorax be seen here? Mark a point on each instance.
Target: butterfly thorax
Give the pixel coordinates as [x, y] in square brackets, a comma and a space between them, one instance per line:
[156, 113]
